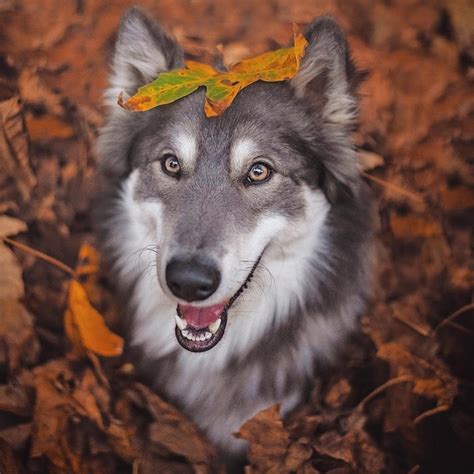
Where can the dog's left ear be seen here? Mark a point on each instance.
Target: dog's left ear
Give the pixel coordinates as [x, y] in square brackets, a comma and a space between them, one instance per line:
[327, 76]
[142, 51]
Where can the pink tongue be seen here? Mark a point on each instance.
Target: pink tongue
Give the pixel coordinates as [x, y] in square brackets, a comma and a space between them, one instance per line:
[201, 317]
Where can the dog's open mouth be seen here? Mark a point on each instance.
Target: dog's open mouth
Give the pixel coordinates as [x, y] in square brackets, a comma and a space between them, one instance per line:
[199, 329]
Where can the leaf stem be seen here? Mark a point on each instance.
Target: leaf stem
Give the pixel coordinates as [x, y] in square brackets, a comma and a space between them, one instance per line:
[383, 387]
[453, 316]
[36, 253]
[394, 187]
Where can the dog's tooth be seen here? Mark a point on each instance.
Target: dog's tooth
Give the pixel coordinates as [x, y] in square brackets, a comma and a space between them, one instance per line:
[180, 322]
[215, 326]
[208, 335]
[185, 333]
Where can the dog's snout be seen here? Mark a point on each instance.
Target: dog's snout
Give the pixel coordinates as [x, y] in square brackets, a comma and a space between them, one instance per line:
[192, 278]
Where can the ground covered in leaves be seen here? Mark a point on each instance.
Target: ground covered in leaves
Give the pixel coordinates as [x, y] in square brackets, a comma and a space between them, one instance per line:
[403, 398]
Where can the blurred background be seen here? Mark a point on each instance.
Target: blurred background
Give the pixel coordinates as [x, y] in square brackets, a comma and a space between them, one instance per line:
[404, 399]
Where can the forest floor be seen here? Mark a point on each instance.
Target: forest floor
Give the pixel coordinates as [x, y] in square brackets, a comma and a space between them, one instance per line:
[402, 400]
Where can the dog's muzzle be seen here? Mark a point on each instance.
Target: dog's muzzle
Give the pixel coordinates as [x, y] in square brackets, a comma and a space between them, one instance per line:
[199, 329]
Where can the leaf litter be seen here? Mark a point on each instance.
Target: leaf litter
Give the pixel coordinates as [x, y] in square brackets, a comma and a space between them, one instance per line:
[401, 400]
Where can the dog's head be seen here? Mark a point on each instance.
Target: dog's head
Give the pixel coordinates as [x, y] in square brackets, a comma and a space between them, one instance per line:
[218, 196]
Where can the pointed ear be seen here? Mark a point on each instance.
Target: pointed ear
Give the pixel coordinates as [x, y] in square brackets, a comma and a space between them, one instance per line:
[327, 77]
[142, 50]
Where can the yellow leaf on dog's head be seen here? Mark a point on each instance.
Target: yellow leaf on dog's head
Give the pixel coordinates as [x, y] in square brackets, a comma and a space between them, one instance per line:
[85, 326]
[221, 87]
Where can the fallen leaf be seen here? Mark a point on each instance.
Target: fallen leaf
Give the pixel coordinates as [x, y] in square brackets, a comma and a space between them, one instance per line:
[171, 429]
[298, 453]
[63, 400]
[11, 282]
[462, 16]
[221, 87]
[354, 447]
[17, 436]
[10, 226]
[457, 199]
[338, 394]
[16, 398]
[369, 160]
[14, 154]
[268, 439]
[33, 91]
[47, 127]
[85, 326]
[412, 226]
[9, 463]
[18, 341]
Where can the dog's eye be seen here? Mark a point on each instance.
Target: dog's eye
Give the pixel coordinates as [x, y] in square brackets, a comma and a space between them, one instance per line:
[171, 165]
[258, 173]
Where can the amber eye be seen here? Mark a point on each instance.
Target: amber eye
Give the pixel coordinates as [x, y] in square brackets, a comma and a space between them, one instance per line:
[171, 165]
[258, 173]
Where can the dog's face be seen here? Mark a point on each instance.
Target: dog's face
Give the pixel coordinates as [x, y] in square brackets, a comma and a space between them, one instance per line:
[217, 195]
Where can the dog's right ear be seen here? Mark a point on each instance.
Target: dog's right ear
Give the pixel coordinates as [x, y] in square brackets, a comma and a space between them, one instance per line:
[142, 51]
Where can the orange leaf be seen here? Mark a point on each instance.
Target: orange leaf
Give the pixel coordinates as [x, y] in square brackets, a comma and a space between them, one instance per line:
[88, 260]
[85, 327]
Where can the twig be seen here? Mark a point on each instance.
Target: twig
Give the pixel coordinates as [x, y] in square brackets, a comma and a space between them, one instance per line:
[36, 253]
[428, 413]
[453, 316]
[412, 325]
[383, 387]
[394, 187]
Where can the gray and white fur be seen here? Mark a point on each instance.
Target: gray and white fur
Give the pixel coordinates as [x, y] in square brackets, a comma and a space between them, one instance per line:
[311, 223]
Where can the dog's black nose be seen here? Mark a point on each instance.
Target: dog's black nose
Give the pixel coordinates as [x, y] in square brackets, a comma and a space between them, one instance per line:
[192, 278]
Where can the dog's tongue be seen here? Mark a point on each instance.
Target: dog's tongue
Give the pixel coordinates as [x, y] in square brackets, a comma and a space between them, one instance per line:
[201, 317]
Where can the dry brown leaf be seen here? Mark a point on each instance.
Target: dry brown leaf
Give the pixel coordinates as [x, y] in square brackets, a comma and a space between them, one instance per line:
[457, 199]
[18, 341]
[69, 399]
[11, 282]
[14, 154]
[54, 407]
[33, 91]
[17, 335]
[47, 127]
[462, 16]
[338, 393]
[268, 439]
[355, 447]
[414, 226]
[9, 463]
[368, 160]
[17, 436]
[10, 226]
[15, 398]
[298, 453]
[171, 429]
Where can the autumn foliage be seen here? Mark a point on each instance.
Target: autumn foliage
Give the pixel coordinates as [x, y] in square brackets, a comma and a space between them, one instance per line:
[402, 398]
[221, 87]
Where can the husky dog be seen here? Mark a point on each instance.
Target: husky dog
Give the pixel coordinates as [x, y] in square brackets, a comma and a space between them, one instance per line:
[241, 244]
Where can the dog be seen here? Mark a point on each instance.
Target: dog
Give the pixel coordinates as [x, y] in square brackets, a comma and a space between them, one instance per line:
[241, 245]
